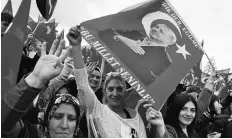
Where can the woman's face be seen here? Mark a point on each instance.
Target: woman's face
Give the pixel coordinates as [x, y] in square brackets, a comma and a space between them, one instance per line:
[187, 114]
[162, 34]
[63, 122]
[94, 79]
[217, 107]
[115, 92]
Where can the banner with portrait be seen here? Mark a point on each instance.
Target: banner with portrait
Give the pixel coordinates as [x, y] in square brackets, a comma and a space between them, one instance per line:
[148, 44]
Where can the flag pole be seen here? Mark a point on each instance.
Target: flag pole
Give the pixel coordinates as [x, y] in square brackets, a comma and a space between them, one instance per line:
[36, 27]
[102, 67]
[206, 55]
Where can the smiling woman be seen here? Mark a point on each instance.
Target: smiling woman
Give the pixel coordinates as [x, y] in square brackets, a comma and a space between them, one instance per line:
[182, 115]
[110, 119]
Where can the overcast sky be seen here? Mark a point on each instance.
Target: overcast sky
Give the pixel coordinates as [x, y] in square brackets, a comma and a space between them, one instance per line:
[210, 20]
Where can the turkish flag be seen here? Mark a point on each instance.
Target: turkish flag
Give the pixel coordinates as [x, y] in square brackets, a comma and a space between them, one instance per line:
[12, 46]
[46, 32]
[151, 43]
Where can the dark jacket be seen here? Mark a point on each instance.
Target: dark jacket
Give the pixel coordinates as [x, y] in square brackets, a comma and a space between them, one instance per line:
[227, 130]
[169, 133]
[27, 64]
[209, 122]
[14, 104]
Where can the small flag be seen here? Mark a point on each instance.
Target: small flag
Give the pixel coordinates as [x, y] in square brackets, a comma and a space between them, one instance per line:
[31, 23]
[46, 32]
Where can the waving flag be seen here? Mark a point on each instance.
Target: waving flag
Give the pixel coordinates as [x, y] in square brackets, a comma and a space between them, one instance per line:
[46, 7]
[12, 46]
[227, 85]
[194, 75]
[8, 8]
[224, 72]
[197, 71]
[126, 41]
[46, 32]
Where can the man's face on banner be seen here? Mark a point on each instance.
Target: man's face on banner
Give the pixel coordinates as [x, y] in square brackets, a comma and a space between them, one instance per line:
[162, 34]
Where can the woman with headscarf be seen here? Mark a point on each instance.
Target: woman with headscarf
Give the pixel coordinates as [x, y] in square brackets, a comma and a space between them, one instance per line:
[60, 118]
[56, 85]
[111, 119]
[61, 114]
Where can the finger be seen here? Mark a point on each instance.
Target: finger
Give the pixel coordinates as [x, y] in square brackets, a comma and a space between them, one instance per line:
[151, 109]
[65, 53]
[54, 46]
[74, 31]
[78, 27]
[89, 65]
[93, 65]
[155, 114]
[133, 48]
[152, 114]
[61, 46]
[96, 63]
[58, 66]
[43, 49]
[147, 106]
[138, 48]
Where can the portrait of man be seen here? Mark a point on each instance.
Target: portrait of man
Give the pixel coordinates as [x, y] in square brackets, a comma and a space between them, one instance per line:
[146, 51]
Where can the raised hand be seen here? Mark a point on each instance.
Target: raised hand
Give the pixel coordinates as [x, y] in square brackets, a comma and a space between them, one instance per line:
[134, 45]
[50, 66]
[90, 67]
[30, 39]
[74, 36]
[153, 116]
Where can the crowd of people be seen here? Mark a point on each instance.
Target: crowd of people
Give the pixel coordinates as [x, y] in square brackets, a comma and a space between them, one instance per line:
[58, 95]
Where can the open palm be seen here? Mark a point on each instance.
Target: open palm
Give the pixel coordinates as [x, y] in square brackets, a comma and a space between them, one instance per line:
[50, 66]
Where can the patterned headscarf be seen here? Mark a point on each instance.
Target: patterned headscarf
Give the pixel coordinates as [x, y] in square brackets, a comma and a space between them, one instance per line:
[48, 94]
[45, 116]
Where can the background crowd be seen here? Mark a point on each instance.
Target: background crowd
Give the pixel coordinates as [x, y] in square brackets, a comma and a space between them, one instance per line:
[60, 93]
